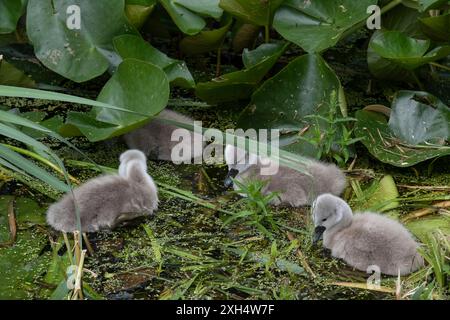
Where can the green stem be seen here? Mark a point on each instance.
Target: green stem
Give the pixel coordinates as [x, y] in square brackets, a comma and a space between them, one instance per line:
[219, 60]
[40, 159]
[439, 65]
[187, 103]
[267, 33]
[416, 79]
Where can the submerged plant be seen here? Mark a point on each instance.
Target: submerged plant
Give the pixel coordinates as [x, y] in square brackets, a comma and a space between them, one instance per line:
[436, 252]
[257, 212]
[330, 135]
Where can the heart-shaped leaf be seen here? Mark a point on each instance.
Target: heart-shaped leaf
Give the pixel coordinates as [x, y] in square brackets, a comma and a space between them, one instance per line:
[187, 15]
[257, 12]
[78, 54]
[240, 84]
[10, 12]
[129, 46]
[406, 52]
[302, 88]
[318, 25]
[395, 142]
[137, 86]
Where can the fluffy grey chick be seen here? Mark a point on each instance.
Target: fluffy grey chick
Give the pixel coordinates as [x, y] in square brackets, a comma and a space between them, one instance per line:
[108, 200]
[155, 139]
[364, 239]
[294, 188]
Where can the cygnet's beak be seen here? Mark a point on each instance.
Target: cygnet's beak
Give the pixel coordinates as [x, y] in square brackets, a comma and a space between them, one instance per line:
[229, 178]
[318, 231]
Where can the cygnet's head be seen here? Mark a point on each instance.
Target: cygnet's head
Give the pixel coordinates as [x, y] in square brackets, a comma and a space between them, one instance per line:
[238, 161]
[129, 155]
[329, 211]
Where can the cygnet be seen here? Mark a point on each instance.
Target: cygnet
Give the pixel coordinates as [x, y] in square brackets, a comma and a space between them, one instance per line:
[365, 239]
[155, 138]
[108, 200]
[294, 188]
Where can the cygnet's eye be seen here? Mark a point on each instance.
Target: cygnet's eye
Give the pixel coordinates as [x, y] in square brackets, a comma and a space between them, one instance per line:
[324, 219]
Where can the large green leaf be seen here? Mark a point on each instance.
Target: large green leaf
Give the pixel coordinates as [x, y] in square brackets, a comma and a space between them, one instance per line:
[416, 131]
[10, 12]
[318, 25]
[256, 12]
[240, 84]
[406, 52]
[188, 15]
[302, 88]
[137, 86]
[130, 46]
[79, 55]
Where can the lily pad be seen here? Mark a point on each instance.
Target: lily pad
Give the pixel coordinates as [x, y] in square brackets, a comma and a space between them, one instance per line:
[10, 12]
[240, 84]
[11, 76]
[301, 89]
[53, 123]
[318, 25]
[79, 55]
[384, 196]
[137, 11]
[425, 5]
[188, 15]
[206, 40]
[383, 142]
[404, 51]
[256, 12]
[423, 227]
[137, 86]
[419, 117]
[437, 28]
[130, 46]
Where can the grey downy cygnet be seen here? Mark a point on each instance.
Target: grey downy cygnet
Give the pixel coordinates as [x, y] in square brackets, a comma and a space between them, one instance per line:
[364, 239]
[108, 200]
[155, 138]
[294, 187]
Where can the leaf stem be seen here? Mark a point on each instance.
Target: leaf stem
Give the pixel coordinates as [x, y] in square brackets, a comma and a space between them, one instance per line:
[416, 79]
[439, 65]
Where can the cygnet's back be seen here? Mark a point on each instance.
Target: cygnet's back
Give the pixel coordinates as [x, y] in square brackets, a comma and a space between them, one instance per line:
[154, 138]
[373, 239]
[364, 239]
[106, 201]
[296, 188]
